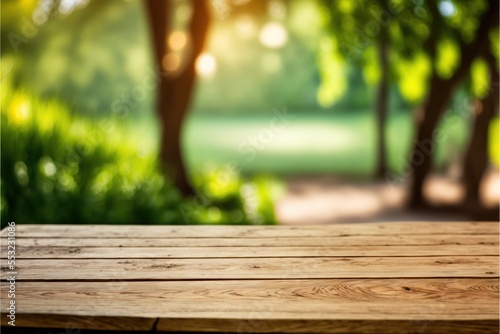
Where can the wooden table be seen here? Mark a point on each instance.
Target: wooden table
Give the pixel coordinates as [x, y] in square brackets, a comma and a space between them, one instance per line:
[351, 278]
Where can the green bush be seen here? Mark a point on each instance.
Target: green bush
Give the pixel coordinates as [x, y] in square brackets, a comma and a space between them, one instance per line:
[59, 168]
[223, 197]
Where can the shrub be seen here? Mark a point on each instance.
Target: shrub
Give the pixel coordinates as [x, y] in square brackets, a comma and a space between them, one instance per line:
[59, 168]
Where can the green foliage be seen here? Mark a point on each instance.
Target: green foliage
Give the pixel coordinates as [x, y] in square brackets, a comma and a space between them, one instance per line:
[58, 168]
[95, 58]
[422, 36]
[448, 58]
[223, 197]
[413, 86]
[493, 147]
[479, 75]
[494, 37]
[15, 23]
[332, 72]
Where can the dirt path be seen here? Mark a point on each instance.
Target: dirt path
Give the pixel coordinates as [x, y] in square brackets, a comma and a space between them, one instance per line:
[327, 199]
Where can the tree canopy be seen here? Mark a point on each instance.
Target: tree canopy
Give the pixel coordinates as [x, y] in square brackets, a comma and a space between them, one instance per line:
[424, 36]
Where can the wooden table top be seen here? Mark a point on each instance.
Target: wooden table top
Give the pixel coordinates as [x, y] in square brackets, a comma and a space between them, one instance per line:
[348, 278]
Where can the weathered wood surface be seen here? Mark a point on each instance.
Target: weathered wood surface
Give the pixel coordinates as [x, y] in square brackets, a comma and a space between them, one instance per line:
[360, 278]
[280, 231]
[244, 252]
[256, 268]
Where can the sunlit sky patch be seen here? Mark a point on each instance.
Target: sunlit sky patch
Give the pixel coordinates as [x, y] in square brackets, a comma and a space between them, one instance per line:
[447, 8]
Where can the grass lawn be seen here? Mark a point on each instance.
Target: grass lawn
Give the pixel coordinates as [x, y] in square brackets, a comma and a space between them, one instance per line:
[343, 143]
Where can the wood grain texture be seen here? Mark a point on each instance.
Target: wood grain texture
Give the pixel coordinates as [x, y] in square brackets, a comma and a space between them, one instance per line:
[249, 252]
[255, 268]
[280, 231]
[280, 295]
[267, 303]
[346, 278]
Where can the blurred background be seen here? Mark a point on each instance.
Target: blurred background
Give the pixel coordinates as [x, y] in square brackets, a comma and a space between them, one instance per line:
[248, 111]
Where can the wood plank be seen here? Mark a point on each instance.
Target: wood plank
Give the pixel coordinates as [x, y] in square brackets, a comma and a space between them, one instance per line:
[322, 298]
[250, 252]
[181, 231]
[467, 291]
[255, 268]
[356, 278]
[261, 303]
[348, 240]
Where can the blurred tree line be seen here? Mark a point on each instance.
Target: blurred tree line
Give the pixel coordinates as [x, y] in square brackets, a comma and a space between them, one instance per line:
[98, 58]
[444, 42]
[416, 52]
[60, 167]
[109, 41]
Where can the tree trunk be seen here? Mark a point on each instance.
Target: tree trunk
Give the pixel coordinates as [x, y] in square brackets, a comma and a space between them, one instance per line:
[174, 92]
[476, 158]
[423, 150]
[440, 92]
[382, 105]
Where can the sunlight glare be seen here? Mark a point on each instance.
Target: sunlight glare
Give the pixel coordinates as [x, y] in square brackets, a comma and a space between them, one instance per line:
[273, 35]
[19, 110]
[177, 40]
[206, 65]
